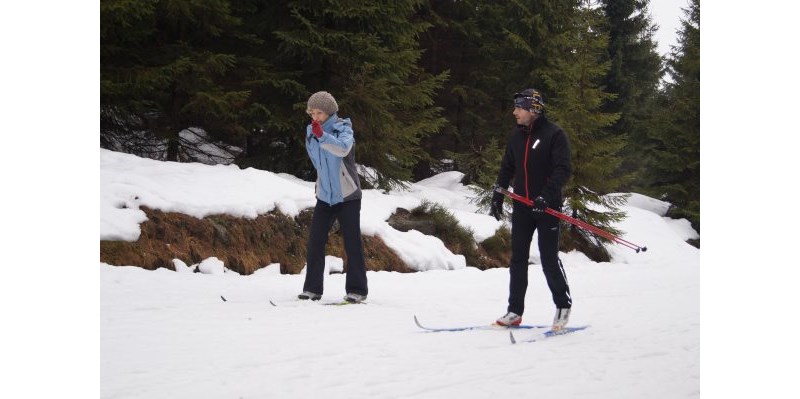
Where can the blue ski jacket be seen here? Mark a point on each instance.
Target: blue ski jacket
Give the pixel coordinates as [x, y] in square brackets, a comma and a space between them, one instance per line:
[333, 156]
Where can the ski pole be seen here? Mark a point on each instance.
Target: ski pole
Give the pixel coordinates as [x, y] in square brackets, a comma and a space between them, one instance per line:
[576, 222]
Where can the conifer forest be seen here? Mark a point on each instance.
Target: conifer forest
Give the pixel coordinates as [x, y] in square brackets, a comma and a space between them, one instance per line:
[428, 86]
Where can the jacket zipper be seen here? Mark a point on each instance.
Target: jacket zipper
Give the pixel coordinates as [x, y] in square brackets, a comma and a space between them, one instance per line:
[328, 176]
[525, 163]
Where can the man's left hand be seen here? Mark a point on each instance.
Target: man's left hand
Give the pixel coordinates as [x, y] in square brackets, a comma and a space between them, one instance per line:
[540, 204]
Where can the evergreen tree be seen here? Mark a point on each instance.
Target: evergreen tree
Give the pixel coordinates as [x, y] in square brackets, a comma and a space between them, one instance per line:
[492, 49]
[484, 163]
[167, 66]
[366, 55]
[276, 142]
[467, 39]
[573, 77]
[673, 169]
[634, 76]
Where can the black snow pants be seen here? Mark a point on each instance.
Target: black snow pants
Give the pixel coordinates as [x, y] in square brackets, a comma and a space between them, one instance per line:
[524, 222]
[349, 216]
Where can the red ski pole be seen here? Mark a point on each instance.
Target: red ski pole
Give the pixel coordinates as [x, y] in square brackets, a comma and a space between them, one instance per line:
[576, 222]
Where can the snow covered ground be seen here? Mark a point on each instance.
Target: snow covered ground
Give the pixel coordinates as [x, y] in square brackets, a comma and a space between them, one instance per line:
[170, 334]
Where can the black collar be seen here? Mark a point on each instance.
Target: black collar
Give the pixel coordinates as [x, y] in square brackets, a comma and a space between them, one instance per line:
[536, 124]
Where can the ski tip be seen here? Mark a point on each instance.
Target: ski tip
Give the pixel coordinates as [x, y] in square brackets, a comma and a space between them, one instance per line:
[272, 303]
[511, 335]
[416, 321]
[223, 298]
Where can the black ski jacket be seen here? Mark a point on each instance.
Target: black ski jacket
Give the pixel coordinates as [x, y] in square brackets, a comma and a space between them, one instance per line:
[538, 157]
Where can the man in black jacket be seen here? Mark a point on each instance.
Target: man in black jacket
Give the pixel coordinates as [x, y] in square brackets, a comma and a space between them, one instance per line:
[538, 158]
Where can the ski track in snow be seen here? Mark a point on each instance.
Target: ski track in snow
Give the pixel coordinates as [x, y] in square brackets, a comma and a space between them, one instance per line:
[168, 334]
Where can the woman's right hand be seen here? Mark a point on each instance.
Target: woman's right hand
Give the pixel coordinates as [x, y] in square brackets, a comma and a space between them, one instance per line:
[316, 128]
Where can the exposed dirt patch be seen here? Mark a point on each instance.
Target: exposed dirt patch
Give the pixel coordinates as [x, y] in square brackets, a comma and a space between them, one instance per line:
[574, 238]
[432, 219]
[245, 245]
[496, 249]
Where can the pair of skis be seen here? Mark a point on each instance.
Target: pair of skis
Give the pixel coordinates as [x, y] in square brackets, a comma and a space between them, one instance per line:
[535, 338]
[337, 303]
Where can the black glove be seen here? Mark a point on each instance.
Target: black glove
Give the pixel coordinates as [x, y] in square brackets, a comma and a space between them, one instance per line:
[540, 204]
[496, 209]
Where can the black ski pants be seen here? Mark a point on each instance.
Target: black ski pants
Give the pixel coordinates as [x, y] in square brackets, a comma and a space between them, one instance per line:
[349, 216]
[524, 221]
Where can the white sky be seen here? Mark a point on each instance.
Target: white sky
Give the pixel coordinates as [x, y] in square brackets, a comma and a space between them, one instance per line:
[667, 14]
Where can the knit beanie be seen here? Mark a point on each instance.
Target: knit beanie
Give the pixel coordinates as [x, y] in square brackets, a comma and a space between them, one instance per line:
[323, 101]
[529, 99]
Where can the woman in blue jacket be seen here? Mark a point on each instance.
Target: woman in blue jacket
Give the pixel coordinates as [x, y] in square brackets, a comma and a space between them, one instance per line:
[331, 147]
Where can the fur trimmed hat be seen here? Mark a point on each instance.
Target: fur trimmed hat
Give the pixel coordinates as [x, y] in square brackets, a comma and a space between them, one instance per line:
[323, 101]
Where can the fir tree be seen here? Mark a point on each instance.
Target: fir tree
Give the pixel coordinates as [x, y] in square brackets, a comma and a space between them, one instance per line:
[674, 149]
[634, 76]
[492, 50]
[276, 142]
[484, 163]
[366, 55]
[573, 77]
[167, 66]
[469, 39]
